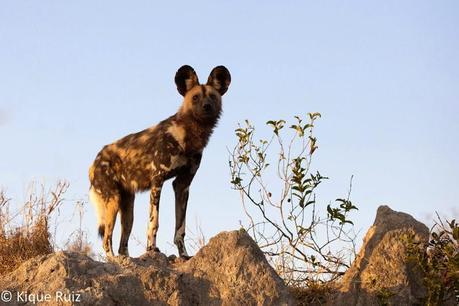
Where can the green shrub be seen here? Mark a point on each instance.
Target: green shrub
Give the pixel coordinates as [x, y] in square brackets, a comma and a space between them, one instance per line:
[439, 261]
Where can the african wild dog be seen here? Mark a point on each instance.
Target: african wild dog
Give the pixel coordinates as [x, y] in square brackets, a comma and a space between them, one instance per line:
[144, 160]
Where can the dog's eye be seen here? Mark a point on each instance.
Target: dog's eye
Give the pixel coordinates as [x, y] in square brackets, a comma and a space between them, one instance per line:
[195, 98]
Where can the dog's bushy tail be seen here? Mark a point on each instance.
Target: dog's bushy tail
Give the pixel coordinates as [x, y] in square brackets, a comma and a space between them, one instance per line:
[99, 204]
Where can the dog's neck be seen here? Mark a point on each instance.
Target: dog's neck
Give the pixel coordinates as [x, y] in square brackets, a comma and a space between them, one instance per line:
[198, 131]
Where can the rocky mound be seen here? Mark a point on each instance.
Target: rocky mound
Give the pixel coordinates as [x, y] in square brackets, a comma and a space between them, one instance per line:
[230, 270]
[381, 275]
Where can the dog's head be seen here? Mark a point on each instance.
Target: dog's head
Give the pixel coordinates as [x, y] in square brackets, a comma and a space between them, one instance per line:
[202, 101]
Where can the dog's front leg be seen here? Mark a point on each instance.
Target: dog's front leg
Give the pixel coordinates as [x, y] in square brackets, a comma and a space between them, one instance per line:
[181, 188]
[153, 223]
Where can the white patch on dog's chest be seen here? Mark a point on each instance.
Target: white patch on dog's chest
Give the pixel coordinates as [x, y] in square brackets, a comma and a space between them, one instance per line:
[178, 132]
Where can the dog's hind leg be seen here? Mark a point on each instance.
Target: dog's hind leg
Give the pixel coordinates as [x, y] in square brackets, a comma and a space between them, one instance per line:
[111, 210]
[127, 219]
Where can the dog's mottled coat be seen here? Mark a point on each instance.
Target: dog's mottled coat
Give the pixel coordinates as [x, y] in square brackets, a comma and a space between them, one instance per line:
[144, 160]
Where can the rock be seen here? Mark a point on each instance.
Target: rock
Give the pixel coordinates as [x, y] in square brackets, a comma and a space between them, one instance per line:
[230, 270]
[380, 273]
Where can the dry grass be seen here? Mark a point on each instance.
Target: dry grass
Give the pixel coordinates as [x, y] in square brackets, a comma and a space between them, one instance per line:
[79, 243]
[315, 293]
[78, 240]
[25, 233]
[19, 245]
[196, 239]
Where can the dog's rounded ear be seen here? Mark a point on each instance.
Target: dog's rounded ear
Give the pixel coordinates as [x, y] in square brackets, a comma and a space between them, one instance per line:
[185, 79]
[220, 79]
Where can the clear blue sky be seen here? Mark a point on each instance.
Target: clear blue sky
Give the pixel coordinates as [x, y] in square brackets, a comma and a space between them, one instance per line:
[76, 75]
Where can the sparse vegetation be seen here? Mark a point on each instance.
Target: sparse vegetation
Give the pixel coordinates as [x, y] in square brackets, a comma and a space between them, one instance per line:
[196, 239]
[306, 241]
[311, 244]
[313, 293]
[438, 259]
[25, 231]
[78, 239]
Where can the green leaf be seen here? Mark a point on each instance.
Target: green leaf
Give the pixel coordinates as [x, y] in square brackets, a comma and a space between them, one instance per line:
[301, 203]
[313, 116]
[236, 181]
